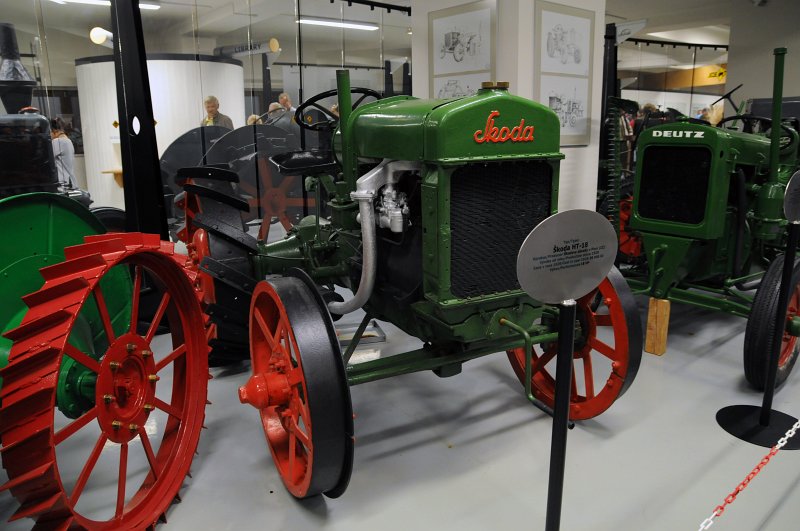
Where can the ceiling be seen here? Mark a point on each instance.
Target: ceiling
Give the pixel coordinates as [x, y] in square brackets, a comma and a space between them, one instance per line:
[200, 25]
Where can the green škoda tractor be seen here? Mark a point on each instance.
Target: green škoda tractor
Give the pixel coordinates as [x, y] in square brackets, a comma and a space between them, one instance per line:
[429, 202]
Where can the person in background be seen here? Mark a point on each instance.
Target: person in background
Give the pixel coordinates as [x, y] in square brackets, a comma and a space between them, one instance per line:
[213, 116]
[253, 119]
[286, 101]
[64, 154]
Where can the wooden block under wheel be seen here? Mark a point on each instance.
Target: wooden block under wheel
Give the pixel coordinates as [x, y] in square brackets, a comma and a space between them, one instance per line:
[657, 326]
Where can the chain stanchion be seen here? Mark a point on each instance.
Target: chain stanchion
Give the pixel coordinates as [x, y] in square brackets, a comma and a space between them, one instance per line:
[730, 498]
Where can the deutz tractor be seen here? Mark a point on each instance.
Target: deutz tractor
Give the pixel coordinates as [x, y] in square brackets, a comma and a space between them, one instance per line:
[708, 211]
[427, 204]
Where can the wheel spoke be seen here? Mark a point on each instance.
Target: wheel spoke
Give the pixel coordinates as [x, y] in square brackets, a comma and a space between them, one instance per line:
[299, 433]
[603, 319]
[175, 354]
[602, 348]
[292, 453]
[588, 375]
[285, 221]
[539, 364]
[82, 358]
[287, 183]
[167, 408]
[123, 473]
[148, 450]
[87, 470]
[265, 331]
[162, 307]
[102, 309]
[137, 286]
[70, 429]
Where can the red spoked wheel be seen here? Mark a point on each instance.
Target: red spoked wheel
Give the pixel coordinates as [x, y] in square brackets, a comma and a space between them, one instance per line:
[630, 242]
[608, 347]
[299, 387]
[119, 459]
[275, 201]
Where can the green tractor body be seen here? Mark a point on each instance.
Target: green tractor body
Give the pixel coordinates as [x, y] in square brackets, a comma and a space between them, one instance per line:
[478, 174]
[691, 183]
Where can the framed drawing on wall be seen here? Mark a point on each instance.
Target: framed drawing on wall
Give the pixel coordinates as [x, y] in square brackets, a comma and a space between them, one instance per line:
[562, 67]
[461, 44]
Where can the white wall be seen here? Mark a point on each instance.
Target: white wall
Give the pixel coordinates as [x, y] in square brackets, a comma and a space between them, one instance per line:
[755, 32]
[514, 63]
[177, 88]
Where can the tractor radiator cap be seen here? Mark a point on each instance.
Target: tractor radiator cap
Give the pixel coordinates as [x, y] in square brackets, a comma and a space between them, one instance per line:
[502, 85]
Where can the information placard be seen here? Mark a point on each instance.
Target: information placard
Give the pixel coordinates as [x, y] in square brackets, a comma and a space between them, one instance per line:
[566, 256]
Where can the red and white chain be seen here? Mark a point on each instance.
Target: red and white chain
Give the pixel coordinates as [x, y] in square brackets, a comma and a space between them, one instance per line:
[708, 522]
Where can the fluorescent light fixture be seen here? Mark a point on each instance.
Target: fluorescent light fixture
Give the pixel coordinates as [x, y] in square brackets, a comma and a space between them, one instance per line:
[104, 3]
[333, 23]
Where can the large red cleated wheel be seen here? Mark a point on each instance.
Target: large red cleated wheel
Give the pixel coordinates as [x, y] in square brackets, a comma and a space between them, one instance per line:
[119, 461]
[299, 387]
[608, 351]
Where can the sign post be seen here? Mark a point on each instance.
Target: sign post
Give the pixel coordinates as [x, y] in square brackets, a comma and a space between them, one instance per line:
[763, 426]
[565, 257]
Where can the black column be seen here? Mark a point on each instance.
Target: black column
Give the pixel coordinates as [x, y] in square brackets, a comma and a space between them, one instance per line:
[144, 196]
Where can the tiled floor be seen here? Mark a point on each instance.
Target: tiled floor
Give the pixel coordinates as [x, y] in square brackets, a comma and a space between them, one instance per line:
[469, 453]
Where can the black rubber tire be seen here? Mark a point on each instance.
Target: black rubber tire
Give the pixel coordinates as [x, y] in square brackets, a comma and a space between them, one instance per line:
[113, 219]
[761, 328]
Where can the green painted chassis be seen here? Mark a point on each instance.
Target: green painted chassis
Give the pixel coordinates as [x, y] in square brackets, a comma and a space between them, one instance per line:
[453, 330]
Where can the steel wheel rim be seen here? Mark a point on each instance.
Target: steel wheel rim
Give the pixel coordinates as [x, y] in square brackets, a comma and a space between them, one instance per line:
[270, 326]
[592, 399]
[122, 421]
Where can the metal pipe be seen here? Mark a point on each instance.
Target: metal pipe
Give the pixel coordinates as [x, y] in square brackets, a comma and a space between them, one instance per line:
[777, 100]
[529, 368]
[368, 257]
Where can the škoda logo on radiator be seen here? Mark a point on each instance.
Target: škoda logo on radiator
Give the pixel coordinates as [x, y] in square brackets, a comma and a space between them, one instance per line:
[518, 133]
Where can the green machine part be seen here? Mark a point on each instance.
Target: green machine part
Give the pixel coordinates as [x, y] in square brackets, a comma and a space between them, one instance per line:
[38, 227]
[492, 134]
[688, 184]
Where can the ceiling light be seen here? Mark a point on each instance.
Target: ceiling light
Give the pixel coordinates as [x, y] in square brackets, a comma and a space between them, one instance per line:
[347, 24]
[104, 3]
[101, 36]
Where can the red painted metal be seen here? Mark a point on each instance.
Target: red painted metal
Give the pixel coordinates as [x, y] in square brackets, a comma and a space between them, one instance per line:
[278, 389]
[127, 377]
[198, 249]
[788, 341]
[274, 201]
[589, 401]
[630, 243]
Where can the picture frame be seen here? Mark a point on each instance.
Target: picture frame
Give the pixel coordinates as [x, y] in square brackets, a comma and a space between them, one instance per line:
[562, 67]
[461, 48]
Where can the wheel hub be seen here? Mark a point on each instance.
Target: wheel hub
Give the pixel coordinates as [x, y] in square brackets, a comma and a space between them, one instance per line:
[126, 387]
[265, 390]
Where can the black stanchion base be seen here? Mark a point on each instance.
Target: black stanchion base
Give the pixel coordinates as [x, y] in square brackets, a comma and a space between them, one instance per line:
[743, 422]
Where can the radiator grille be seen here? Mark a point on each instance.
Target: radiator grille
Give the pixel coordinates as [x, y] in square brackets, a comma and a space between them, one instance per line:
[674, 183]
[493, 207]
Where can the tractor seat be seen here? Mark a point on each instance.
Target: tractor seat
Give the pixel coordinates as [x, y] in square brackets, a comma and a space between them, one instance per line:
[305, 162]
